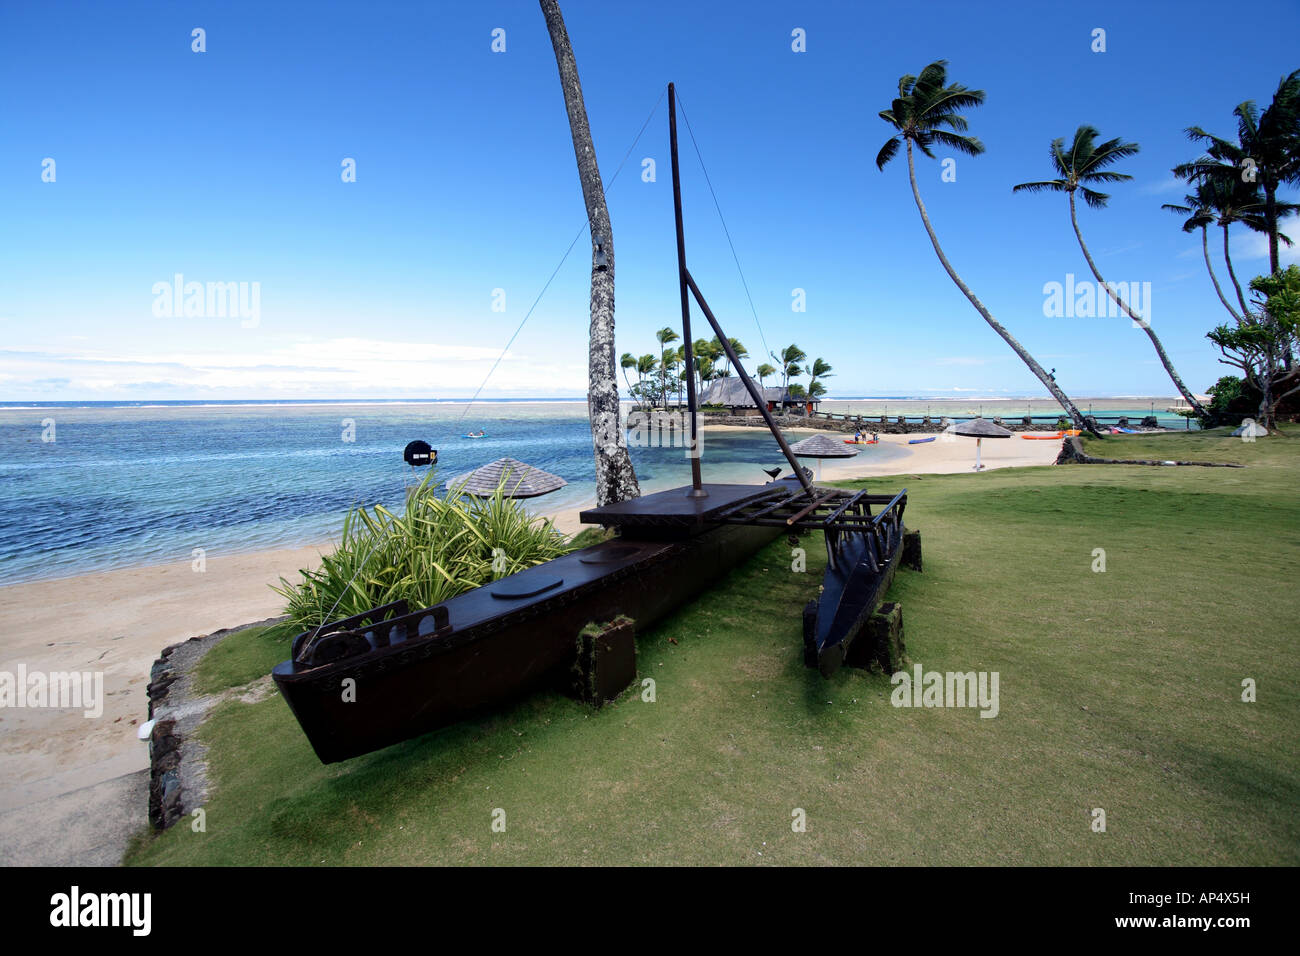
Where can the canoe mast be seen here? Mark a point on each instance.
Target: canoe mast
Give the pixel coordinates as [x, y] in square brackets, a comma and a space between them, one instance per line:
[687, 282]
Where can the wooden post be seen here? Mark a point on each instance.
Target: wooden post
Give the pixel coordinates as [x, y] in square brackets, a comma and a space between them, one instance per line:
[912, 550]
[604, 661]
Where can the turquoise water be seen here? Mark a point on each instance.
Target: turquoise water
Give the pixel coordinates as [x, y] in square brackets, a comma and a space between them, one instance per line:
[128, 486]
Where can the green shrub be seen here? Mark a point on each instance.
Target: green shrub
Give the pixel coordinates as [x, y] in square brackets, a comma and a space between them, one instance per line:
[436, 549]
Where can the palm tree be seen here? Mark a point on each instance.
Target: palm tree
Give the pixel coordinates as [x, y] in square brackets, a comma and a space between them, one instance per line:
[762, 372]
[1232, 199]
[626, 362]
[927, 113]
[1199, 208]
[787, 361]
[705, 368]
[1268, 143]
[667, 366]
[736, 346]
[1084, 164]
[646, 365]
[820, 369]
[665, 335]
[615, 477]
[703, 351]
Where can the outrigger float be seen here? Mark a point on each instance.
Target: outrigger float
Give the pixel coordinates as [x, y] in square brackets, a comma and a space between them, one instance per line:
[570, 622]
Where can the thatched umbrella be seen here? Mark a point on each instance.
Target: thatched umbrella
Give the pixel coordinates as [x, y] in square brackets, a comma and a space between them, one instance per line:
[514, 478]
[980, 429]
[819, 447]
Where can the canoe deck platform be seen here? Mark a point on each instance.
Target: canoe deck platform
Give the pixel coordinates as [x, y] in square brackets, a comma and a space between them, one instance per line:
[675, 510]
[865, 537]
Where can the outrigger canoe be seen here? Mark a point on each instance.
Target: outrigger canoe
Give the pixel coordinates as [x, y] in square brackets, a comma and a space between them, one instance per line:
[414, 670]
[850, 441]
[392, 673]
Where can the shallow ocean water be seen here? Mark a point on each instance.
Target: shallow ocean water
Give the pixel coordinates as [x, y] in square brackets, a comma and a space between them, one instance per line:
[130, 486]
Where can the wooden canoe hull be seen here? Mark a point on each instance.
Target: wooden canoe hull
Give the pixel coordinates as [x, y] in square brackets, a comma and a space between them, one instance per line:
[852, 590]
[498, 650]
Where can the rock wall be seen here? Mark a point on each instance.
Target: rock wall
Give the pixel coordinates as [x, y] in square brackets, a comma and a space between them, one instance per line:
[890, 426]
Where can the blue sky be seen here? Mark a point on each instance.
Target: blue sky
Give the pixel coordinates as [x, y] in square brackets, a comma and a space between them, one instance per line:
[224, 166]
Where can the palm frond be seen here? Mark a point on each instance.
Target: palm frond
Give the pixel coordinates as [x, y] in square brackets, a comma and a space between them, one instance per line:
[969, 145]
[888, 151]
[1094, 199]
[1047, 185]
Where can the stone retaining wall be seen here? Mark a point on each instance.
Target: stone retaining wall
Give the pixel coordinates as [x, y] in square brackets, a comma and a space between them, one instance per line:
[890, 426]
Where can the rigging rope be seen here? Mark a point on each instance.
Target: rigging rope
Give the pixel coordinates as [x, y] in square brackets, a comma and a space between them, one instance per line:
[585, 226]
[723, 220]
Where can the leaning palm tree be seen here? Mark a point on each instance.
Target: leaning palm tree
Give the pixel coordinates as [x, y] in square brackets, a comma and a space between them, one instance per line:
[820, 369]
[787, 361]
[628, 361]
[1085, 163]
[1199, 209]
[926, 113]
[1267, 149]
[1233, 200]
[736, 346]
[762, 372]
[615, 477]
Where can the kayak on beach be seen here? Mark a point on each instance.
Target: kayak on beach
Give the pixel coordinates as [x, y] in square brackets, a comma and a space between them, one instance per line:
[920, 441]
[850, 441]
[1071, 432]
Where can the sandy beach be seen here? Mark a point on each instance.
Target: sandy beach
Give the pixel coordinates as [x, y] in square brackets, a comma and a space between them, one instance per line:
[118, 621]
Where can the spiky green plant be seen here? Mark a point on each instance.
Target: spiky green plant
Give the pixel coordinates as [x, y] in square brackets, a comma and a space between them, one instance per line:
[437, 548]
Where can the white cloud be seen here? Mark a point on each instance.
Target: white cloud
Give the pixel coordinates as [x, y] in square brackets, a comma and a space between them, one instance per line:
[1170, 184]
[1254, 245]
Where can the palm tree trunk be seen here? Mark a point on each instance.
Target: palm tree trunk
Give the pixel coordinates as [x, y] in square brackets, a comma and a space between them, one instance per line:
[1146, 326]
[1075, 416]
[1270, 215]
[615, 477]
[1205, 248]
[1227, 257]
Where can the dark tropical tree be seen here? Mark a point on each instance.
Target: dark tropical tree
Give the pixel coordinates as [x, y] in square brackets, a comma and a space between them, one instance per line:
[1267, 151]
[927, 113]
[1083, 165]
[615, 477]
[1259, 345]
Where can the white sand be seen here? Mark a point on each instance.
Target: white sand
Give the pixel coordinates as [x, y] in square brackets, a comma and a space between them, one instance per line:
[117, 622]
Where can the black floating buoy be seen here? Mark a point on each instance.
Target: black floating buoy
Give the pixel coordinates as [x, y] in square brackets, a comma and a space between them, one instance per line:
[418, 453]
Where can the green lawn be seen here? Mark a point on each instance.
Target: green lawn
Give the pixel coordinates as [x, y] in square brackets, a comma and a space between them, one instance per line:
[1119, 690]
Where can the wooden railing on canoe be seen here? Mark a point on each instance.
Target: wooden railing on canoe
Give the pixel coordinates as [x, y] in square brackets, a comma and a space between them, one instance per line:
[835, 511]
